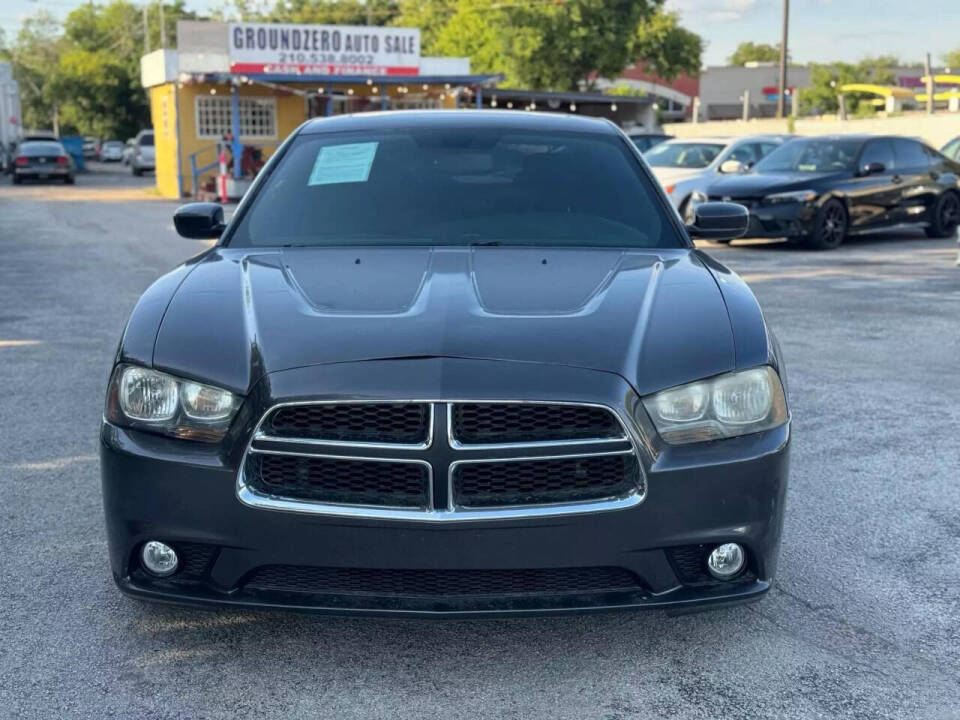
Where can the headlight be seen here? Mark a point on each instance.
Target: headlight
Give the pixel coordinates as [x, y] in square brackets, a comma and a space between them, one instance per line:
[152, 400]
[737, 403]
[798, 196]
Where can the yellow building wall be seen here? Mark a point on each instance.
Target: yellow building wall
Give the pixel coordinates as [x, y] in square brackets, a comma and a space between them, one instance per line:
[174, 115]
[163, 115]
[291, 112]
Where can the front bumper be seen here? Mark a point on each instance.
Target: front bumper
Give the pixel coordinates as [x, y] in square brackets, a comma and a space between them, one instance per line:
[185, 494]
[791, 220]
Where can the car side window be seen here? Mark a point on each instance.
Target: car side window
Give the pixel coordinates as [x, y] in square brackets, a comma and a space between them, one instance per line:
[910, 155]
[764, 149]
[952, 149]
[745, 154]
[879, 151]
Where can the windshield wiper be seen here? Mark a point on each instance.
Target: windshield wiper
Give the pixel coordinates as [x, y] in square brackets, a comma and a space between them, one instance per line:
[485, 243]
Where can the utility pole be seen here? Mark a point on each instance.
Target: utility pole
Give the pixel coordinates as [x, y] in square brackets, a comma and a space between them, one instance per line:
[163, 27]
[146, 31]
[928, 72]
[783, 59]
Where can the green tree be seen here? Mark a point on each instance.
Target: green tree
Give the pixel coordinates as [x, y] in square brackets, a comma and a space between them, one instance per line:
[84, 76]
[555, 45]
[826, 81]
[34, 57]
[952, 60]
[331, 12]
[665, 48]
[754, 52]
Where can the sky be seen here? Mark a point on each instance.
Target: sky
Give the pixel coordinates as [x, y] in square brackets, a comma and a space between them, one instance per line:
[820, 30]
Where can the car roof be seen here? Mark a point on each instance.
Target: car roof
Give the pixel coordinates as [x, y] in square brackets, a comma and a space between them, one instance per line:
[857, 137]
[510, 119]
[704, 140]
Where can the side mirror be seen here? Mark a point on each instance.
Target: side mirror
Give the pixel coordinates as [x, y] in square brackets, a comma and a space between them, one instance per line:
[199, 221]
[873, 168]
[719, 221]
[732, 167]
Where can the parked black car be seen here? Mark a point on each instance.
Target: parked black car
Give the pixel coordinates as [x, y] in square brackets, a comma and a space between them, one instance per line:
[43, 160]
[448, 363]
[822, 189]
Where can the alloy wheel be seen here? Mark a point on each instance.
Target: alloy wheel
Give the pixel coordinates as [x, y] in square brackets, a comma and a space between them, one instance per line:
[833, 224]
[950, 212]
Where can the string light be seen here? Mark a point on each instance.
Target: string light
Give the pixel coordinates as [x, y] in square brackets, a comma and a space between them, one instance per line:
[613, 107]
[369, 81]
[426, 87]
[573, 107]
[510, 105]
[349, 91]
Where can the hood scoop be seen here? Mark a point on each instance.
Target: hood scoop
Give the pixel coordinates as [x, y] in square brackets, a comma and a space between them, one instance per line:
[358, 280]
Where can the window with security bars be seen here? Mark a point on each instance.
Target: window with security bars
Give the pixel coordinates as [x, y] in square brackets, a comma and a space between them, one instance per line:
[258, 117]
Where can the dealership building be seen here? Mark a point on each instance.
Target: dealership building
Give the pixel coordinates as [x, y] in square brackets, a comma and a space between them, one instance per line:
[247, 86]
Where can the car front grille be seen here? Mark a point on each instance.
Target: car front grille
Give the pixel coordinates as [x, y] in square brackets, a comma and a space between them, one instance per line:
[541, 482]
[387, 423]
[483, 423]
[748, 202]
[435, 583]
[340, 480]
[440, 460]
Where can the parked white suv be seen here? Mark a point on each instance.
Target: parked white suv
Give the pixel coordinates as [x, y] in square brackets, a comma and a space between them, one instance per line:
[143, 156]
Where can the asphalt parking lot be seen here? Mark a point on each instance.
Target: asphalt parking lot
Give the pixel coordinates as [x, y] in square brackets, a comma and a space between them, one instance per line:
[862, 621]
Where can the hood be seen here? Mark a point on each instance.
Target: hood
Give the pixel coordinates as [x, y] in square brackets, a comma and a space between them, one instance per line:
[669, 175]
[759, 184]
[656, 318]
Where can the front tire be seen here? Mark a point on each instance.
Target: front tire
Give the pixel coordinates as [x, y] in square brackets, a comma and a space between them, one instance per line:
[830, 226]
[137, 172]
[945, 216]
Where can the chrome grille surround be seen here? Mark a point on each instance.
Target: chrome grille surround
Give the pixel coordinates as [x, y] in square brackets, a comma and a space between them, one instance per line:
[452, 454]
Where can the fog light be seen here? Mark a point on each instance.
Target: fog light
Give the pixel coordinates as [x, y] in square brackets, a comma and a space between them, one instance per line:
[159, 559]
[726, 561]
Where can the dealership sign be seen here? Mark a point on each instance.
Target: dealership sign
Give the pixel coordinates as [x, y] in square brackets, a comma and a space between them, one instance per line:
[282, 49]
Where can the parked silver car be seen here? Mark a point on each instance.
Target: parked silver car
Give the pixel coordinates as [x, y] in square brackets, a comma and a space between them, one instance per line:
[111, 151]
[685, 166]
[143, 156]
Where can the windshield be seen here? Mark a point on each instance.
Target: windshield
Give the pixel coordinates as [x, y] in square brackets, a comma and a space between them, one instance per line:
[146, 140]
[462, 186]
[683, 155]
[812, 156]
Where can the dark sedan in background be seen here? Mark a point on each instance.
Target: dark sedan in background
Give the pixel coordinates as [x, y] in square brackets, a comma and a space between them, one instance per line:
[43, 160]
[513, 387]
[820, 190]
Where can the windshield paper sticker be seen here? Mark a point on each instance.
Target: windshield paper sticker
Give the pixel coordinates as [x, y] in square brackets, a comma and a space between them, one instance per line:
[343, 164]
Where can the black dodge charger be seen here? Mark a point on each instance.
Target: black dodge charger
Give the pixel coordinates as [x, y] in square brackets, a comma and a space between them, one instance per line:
[448, 363]
[820, 190]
